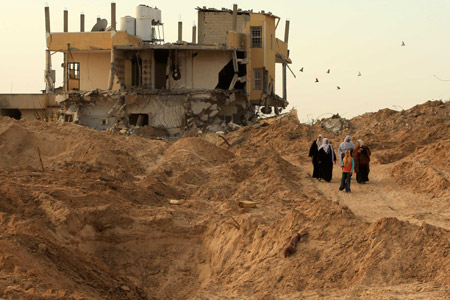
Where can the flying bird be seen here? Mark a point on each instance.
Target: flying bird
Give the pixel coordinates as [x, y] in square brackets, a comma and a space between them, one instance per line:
[301, 70]
[403, 43]
[317, 80]
[359, 73]
[328, 71]
[338, 87]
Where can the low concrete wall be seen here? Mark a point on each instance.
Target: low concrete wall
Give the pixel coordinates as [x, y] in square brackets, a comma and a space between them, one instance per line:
[26, 101]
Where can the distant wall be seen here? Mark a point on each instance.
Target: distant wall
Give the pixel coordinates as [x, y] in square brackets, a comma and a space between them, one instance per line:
[26, 101]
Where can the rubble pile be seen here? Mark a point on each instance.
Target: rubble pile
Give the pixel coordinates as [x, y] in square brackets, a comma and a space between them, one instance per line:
[171, 114]
[127, 217]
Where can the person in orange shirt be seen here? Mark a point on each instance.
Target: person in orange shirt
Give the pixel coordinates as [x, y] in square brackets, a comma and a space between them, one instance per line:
[347, 171]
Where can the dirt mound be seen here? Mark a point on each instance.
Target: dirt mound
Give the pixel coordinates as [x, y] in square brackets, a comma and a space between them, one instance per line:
[99, 222]
[397, 134]
[426, 170]
[66, 142]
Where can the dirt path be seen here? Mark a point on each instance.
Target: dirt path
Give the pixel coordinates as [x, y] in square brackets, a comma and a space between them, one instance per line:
[381, 197]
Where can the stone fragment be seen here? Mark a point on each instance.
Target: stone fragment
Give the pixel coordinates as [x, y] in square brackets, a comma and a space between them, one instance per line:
[213, 113]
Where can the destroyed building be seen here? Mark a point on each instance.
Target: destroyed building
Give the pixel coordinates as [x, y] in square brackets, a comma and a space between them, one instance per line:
[128, 76]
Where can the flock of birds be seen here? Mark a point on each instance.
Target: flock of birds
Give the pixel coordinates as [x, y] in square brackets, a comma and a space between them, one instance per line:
[329, 70]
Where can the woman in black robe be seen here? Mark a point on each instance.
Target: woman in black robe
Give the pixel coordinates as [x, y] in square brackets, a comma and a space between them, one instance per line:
[326, 158]
[314, 153]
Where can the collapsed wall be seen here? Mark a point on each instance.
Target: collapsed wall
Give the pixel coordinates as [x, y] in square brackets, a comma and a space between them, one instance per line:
[175, 111]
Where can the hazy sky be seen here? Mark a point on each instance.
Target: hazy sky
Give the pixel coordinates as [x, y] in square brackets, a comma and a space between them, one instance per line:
[347, 36]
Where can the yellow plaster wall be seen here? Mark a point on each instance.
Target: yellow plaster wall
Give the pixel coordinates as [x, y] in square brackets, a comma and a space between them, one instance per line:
[94, 69]
[206, 68]
[237, 40]
[90, 40]
[262, 57]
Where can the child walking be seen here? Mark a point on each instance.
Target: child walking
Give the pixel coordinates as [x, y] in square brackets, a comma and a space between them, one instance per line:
[347, 171]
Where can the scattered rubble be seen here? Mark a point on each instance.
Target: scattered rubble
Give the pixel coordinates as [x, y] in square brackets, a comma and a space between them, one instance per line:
[335, 124]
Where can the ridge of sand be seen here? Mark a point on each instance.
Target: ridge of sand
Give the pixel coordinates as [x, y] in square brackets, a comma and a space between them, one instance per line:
[97, 224]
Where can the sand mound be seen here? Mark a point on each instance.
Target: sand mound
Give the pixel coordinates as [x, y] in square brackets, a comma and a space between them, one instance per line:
[427, 170]
[98, 224]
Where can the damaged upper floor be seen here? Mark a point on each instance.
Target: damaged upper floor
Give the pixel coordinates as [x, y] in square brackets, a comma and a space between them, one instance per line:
[235, 49]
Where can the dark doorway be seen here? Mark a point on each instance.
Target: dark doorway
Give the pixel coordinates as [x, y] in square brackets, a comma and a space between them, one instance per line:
[136, 66]
[161, 57]
[139, 119]
[12, 113]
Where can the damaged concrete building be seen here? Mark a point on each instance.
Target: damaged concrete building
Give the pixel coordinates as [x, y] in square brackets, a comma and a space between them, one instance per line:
[128, 77]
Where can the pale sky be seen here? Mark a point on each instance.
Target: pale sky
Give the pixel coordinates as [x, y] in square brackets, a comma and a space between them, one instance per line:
[346, 36]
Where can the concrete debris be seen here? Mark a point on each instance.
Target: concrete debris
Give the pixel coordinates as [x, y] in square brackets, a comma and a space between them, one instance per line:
[213, 113]
[174, 202]
[335, 124]
[247, 204]
[197, 107]
[204, 118]
[233, 126]
[175, 112]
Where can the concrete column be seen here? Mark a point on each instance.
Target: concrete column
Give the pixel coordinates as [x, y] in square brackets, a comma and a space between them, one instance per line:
[66, 21]
[113, 16]
[82, 23]
[286, 32]
[180, 31]
[234, 28]
[47, 20]
[49, 84]
[112, 71]
[284, 82]
[194, 34]
[286, 40]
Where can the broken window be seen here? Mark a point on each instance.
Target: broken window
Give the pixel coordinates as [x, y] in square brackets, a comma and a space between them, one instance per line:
[73, 76]
[74, 70]
[256, 36]
[257, 79]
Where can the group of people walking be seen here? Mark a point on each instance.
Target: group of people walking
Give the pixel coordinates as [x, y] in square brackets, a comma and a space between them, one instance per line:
[351, 159]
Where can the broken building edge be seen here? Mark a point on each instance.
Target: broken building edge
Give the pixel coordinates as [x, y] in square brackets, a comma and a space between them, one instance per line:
[128, 78]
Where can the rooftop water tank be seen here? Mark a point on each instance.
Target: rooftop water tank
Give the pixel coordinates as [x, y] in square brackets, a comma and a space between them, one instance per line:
[145, 16]
[128, 24]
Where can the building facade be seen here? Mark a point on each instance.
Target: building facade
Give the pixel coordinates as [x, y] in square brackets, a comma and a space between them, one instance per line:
[129, 77]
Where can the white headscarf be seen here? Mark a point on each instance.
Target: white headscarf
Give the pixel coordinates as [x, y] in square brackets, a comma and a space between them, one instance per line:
[344, 146]
[324, 145]
[319, 142]
[361, 143]
[327, 147]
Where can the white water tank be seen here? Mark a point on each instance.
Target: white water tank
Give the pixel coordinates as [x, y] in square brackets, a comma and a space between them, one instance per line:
[145, 15]
[128, 24]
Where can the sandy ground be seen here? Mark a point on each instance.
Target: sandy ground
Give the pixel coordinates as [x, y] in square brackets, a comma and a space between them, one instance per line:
[382, 197]
[98, 223]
